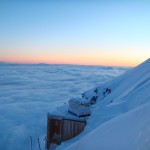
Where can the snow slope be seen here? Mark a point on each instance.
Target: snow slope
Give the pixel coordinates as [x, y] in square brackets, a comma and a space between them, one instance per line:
[130, 131]
[119, 120]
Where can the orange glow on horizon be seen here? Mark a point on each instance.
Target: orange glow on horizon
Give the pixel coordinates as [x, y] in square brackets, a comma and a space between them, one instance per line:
[80, 57]
[77, 61]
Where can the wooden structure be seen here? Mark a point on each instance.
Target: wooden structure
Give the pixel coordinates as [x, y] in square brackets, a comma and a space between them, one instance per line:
[60, 128]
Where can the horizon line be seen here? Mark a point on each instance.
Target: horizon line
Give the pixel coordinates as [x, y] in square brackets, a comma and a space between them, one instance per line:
[43, 63]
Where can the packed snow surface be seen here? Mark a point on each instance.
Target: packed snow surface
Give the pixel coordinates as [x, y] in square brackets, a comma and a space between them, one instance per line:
[120, 119]
[29, 92]
[130, 131]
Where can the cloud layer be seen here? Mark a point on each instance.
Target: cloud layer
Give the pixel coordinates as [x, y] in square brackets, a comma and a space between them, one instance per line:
[28, 92]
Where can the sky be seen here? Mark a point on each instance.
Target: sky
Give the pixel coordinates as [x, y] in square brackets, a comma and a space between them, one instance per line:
[114, 33]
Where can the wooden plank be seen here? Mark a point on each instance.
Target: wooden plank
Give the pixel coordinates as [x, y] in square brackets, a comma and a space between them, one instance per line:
[63, 127]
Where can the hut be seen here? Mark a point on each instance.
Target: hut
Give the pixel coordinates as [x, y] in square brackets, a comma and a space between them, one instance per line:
[61, 128]
[79, 107]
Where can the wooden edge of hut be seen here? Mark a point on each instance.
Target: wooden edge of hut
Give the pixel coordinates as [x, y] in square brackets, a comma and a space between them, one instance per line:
[64, 126]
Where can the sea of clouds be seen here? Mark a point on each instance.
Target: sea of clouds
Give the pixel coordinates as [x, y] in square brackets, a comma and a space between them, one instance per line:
[29, 92]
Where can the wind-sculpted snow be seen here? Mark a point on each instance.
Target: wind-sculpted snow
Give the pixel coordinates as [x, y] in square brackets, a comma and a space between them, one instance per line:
[28, 92]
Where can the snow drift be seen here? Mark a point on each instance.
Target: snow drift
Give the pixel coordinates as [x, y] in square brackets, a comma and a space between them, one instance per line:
[120, 120]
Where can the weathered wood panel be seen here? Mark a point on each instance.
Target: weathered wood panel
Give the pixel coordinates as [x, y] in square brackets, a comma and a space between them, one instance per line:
[62, 129]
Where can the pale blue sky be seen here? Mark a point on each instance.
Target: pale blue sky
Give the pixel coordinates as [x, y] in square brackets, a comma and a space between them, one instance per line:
[57, 31]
